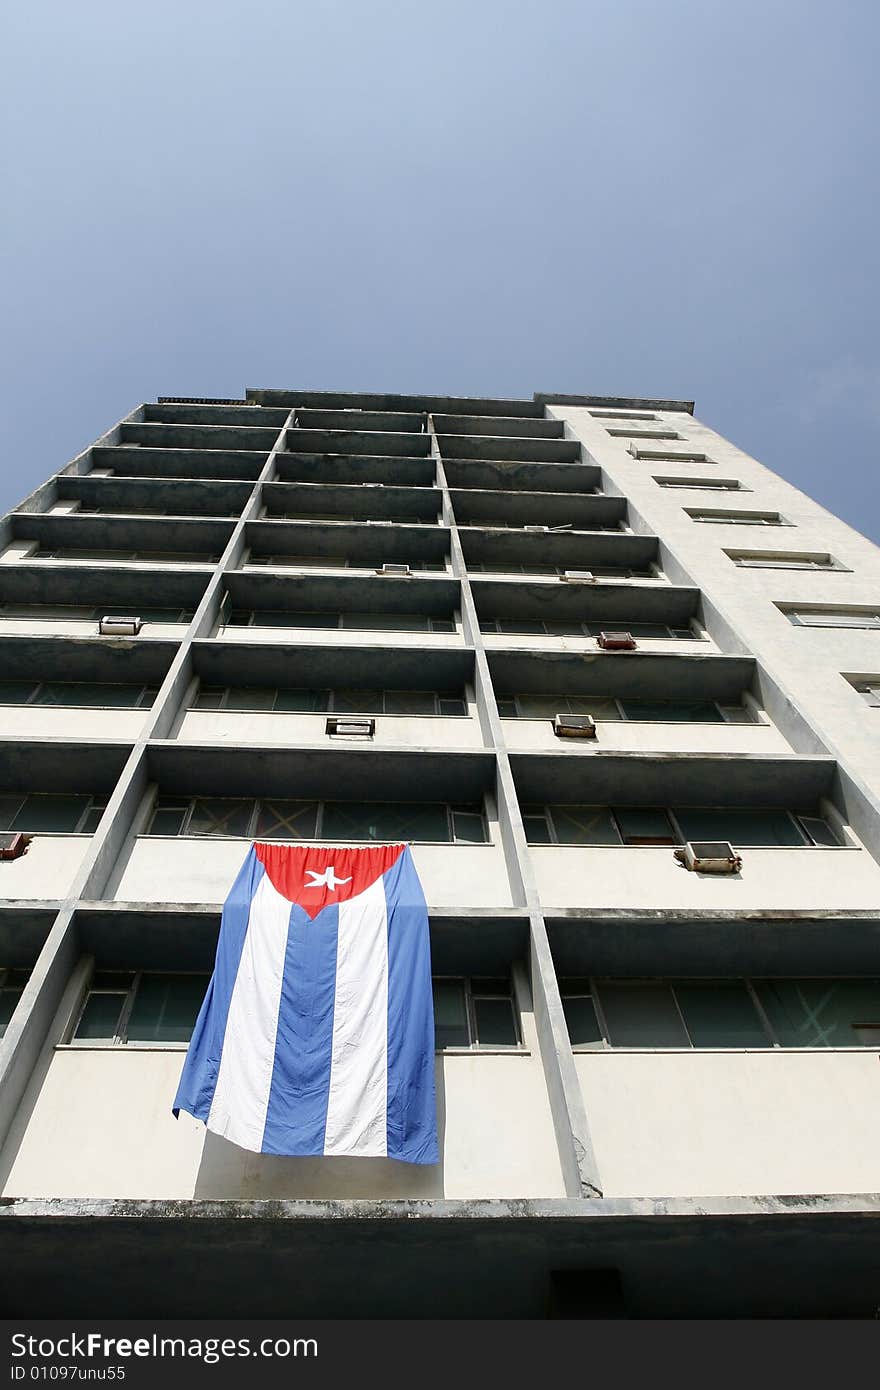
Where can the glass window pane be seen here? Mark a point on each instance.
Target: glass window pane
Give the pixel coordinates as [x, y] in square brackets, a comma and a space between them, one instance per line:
[16, 692]
[166, 1007]
[675, 712]
[100, 1017]
[287, 820]
[8, 1000]
[642, 1016]
[291, 701]
[410, 702]
[168, 819]
[378, 821]
[495, 1022]
[819, 830]
[584, 825]
[220, 816]
[209, 697]
[741, 828]
[91, 820]
[357, 701]
[537, 829]
[638, 629]
[86, 693]
[441, 625]
[819, 1013]
[450, 1014]
[541, 706]
[644, 825]
[522, 626]
[50, 812]
[469, 827]
[580, 1016]
[720, 1015]
[9, 807]
[451, 706]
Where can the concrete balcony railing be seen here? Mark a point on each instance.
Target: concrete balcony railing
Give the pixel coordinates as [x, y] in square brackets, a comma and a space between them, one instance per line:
[733, 1122]
[249, 727]
[114, 1107]
[636, 736]
[621, 877]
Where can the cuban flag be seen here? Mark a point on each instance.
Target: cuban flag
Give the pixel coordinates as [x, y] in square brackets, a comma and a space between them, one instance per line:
[316, 1035]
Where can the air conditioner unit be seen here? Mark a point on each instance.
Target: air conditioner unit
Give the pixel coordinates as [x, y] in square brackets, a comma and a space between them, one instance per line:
[536, 528]
[709, 857]
[394, 569]
[616, 641]
[574, 726]
[350, 727]
[13, 844]
[116, 625]
[582, 576]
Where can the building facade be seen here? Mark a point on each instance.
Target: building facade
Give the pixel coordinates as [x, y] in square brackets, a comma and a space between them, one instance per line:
[619, 686]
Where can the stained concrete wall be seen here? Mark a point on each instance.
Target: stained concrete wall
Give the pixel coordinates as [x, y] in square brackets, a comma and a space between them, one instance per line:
[740, 1123]
[98, 1123]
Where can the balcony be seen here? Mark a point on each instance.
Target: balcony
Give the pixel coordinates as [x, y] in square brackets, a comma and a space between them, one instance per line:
[600, 553]
[39, 537]
[345, 545]
[602, 868]
[516, 509]
[88, 495]
[568, 617]
[352, 502]
[647, 703]
[55, 793]
[143, 461]
[67, 688]
[35, 600]
[198, 865]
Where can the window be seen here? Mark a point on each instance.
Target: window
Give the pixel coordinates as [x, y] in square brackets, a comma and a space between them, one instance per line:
[722, 1013]
[340, 562]
[474, 1013]
[374, 622]
[703, 484]
[280, 819]
[869, 690]
[12, 983]
[783, 560]
[723, 518]
[574, 628]
[171, 557]
[607, 707]
[46, 813]
[67, 611]
[834, 617]
[124, 1007]
[85, 693]
[527, 567]
[648, 825]
[341, 701]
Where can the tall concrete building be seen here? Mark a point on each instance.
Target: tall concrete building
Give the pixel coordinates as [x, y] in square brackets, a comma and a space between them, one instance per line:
[619, 686]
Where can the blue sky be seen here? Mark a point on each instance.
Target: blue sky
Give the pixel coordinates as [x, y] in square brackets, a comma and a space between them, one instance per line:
[632, 198]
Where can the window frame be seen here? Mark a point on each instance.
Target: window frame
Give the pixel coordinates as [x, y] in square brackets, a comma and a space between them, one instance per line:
[38, 686]
[94, 803]
[619, 702]
[538, 810]
[120, 1037]
[470, 996]
[448, 625]
[750, 982]
[330, 707]
[186, 805]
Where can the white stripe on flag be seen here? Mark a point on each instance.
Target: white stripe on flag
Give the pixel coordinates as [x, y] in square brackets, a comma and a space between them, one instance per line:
[357, 1105]
[241, 1097]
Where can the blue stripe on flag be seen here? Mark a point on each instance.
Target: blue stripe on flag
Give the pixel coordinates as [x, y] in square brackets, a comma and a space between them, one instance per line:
[198, 1080]
[297, 1114]
[412, 1126]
